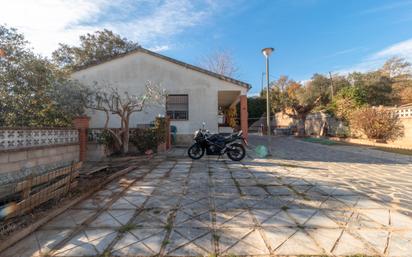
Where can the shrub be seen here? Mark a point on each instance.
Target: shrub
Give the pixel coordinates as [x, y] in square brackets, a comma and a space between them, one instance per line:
[144, 139]
[347, 101]
[377, 123]
[106, 138]
[161, 128]
[150, 138]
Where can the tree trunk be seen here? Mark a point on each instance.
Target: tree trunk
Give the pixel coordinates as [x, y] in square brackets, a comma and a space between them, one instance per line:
[301, 125]
[125, 138]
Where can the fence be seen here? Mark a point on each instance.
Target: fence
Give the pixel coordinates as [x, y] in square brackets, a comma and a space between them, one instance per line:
[403, 112]
[19, 197]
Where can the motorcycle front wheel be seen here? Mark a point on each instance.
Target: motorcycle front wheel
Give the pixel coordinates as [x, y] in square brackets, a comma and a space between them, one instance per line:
[236, 152]
[195, 152]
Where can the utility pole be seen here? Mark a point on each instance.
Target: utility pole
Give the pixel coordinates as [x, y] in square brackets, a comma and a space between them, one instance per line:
[331, 85]
[261, 83]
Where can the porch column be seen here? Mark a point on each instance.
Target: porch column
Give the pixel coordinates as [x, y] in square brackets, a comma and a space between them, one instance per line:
[244, 115]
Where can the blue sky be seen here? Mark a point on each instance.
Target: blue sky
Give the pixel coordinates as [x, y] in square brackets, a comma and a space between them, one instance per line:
[309, 35]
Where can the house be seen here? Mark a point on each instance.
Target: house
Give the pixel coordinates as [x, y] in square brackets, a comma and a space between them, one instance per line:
[194, 95]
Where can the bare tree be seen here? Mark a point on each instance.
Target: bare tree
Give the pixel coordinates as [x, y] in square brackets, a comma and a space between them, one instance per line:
[108, 100]
[220, 62]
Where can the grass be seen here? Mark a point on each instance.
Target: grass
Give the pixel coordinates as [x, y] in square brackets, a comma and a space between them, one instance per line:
[168, 226]
[322, 141]
[165, 242]
[284, 208]
[106, 254]
[127, 227]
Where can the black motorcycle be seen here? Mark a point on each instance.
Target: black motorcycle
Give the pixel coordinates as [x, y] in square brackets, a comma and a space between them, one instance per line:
[216, 144]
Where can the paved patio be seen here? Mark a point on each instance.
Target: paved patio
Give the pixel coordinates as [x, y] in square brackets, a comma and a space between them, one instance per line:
[308, 199]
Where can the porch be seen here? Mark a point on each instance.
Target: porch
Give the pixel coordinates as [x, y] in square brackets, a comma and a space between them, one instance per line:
[227, 116]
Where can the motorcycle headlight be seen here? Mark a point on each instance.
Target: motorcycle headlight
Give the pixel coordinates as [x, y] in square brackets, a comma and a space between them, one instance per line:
[196, 133]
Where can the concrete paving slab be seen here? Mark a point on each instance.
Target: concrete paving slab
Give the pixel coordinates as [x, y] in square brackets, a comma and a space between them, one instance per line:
[252, 244]
[299, 244]
[326, 238]
[315, 202]
[349, 245]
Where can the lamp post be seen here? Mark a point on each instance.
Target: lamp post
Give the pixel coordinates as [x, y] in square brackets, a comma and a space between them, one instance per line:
[266, 52]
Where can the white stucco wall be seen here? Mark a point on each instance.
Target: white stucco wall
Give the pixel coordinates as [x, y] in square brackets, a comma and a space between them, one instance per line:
[129, 73]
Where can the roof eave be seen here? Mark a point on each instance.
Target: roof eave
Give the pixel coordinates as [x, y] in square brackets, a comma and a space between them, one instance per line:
[186, 65]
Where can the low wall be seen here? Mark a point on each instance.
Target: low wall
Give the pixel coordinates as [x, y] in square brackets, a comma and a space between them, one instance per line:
[34, 150]
[314, 123]
[17, 160]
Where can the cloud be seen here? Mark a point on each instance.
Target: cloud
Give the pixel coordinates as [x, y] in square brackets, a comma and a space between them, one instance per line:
[159, 48]
[401, 49]
[153, 23]
[387, 7]
[344, 52]
[47, 22]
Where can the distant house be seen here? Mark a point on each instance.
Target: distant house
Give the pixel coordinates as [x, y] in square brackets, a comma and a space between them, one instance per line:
[195, 95]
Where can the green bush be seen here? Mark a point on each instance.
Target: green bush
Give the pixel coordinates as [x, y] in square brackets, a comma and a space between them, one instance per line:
[106, 138]
[161, 128]
[144, 139]
[150, 138]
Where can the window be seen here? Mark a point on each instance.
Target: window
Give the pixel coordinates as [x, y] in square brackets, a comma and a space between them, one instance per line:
[177, 107]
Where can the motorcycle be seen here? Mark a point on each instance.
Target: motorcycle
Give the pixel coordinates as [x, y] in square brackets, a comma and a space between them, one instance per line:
[216, 144]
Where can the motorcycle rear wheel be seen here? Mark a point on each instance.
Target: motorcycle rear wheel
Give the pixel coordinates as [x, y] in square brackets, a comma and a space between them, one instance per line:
[236, 152]
[195, 152]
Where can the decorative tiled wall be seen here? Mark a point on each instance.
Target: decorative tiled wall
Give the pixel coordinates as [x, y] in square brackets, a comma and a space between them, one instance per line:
[404, 112]
[28, 138]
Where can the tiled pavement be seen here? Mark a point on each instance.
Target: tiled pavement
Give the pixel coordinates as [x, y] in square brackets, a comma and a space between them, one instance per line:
[307, 200]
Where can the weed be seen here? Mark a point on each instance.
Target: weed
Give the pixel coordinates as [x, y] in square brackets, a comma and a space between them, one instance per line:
[284, 208]
[216, 237]
[127, 227]
[165, 242]
[288, 165]
[168, 226]
[106, 254]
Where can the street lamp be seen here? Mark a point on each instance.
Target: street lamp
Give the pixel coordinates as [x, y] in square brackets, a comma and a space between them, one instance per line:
[267, 52]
